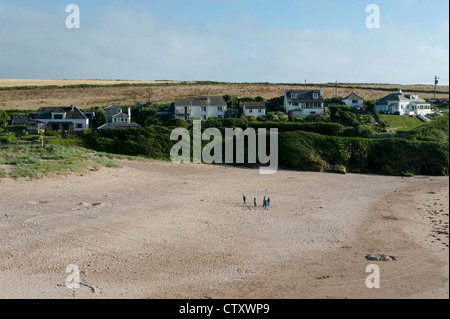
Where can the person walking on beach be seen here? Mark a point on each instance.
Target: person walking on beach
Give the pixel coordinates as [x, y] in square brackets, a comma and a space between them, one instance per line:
[264, 201]
[245, 199]
[254, 202]
[268, 201]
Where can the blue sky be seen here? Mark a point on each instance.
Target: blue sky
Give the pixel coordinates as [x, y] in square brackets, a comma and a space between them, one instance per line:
[227, 40]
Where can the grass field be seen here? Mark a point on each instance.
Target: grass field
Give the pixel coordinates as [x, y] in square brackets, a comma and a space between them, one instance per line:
[66, 142]
[35, 162]
[37, 82]
[401, 122]
[103, 96]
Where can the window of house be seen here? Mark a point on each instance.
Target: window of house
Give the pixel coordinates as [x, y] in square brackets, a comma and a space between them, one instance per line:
[79, 125]
[57, 116]
[293, 95]
[219, 108]
[355, 101]
[251, 111]
[259, 111]
[203, 117]
[203, 108]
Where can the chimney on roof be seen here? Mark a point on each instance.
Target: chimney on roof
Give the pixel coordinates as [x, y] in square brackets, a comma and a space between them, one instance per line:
[321, 91]
[71, 107]
[129, 115]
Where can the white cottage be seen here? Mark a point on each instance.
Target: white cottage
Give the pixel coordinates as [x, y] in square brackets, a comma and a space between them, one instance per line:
[304, 102]
[201, 108]
[255, 108]
[354, 101]
[403, 104]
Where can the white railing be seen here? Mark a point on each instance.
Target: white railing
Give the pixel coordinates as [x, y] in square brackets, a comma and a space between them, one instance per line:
[423, 118]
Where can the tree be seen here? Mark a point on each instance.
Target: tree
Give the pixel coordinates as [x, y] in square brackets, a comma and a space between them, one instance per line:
[100, 115]
[232, 101]
[369, 105]
[275, 104]
[3, 117]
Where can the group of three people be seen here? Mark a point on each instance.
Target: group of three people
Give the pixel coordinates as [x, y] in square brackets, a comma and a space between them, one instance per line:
[266, 202]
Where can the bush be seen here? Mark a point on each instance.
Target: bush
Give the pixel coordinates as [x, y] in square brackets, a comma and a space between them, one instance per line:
[335, 108]
[332, 129]
[231, 122]
[3, 117]
[247, 99]
[177, 123]
[7, 138]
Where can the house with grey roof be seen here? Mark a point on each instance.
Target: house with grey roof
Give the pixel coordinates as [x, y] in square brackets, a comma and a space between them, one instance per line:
[201, 108]
[402, 104]
[354, 101]
[304, 102]
[254, 108]
[116, 119]
[64, 118]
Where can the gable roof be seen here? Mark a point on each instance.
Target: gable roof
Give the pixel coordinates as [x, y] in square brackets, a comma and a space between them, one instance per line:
[72, 113]
[303, 96]
[255, 105]
[201, 101]
[120, 115]
[113, 106]
[353, 96]
[396, 97]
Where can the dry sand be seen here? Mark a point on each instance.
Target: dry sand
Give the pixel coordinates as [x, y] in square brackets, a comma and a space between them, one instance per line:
[160, 230]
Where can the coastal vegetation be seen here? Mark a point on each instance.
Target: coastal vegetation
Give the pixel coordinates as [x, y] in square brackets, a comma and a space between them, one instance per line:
[35, 162]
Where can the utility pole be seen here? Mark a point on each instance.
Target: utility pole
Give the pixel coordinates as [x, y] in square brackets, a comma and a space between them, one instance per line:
[305, 83]
[336, 90]
[436, 81]
[149, 94]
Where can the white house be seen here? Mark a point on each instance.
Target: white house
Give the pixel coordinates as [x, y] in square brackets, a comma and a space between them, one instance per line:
[403, 104]
[114, 114]
[117, 119]
[304, 102]
[65, 118]
[201, 108]
[354, 101]
[255, 108]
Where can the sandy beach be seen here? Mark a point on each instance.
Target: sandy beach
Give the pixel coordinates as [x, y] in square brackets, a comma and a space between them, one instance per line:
[161, 230]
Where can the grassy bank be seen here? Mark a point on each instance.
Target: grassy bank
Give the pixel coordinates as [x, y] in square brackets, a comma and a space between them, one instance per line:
[2, 173]
[35, 162]
[400, 122]
[423, 151]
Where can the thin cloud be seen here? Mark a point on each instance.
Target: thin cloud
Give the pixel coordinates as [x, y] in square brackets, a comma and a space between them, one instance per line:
[136, 44]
